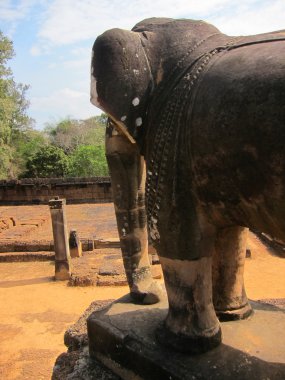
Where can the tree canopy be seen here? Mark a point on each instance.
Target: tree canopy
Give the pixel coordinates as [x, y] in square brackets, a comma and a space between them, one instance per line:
[50, 161]
[69, 134]
[68, 147]
[13, 107]
[88, 161]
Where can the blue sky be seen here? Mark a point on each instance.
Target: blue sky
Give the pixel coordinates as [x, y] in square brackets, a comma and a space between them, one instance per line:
[53, 40]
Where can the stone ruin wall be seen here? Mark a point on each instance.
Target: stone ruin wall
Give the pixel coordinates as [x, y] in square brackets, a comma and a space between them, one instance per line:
[40, 191]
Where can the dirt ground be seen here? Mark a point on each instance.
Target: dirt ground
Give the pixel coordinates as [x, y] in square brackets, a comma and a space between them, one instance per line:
[36, 311]
[34, 223]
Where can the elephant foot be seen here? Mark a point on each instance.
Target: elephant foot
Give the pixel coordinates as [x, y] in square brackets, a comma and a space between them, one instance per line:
[235, 314]
[146, 293]
[189, 344]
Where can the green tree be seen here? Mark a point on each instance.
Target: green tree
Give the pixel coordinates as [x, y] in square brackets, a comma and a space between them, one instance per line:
[26, 144]
[69, 134]
[49, 162]
[6, 155]
[96, 127]
[13, 107]
[88, 161]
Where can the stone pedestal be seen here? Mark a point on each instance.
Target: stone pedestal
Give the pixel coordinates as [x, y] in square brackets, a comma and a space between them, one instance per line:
[60, 235]
[122, 337]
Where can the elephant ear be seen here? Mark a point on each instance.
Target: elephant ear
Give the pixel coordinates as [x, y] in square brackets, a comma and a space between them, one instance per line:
[121, 79]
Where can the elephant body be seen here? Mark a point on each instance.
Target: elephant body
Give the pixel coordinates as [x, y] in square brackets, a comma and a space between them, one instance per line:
[206, 112]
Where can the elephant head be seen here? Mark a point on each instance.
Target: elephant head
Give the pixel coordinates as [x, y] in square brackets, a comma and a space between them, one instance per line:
[127, 67]
[121, 79]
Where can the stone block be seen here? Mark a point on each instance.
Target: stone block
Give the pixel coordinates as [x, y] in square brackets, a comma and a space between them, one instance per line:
[122, 337]
[62, 272]
[76, 251]
[60, 237]
[75, 246]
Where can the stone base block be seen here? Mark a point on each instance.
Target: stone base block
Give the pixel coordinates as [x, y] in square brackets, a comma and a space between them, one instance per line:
[122, 337]
[62, 270]
[76, 251]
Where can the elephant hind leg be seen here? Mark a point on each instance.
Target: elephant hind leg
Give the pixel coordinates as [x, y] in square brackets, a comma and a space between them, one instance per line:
[191, 324]
[229, 296]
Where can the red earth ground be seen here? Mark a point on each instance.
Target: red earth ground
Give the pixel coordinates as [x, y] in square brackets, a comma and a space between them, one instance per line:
[36, 311]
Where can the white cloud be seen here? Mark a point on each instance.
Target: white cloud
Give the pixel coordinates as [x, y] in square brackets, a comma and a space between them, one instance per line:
[81, 60]
[9, 11]
[61, 103]
[66, 22]
[86, 19]
[35, 51]
[246, 19]
[81, 51]
[78, 63]
[13, 13]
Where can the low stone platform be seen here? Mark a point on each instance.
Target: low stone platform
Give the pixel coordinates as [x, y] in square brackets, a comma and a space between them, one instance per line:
[102, 267]
[76, 364]
[122, 336]
[10, 257]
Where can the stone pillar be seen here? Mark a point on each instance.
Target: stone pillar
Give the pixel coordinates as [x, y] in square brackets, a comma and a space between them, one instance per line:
[75, 245]
[60, 236]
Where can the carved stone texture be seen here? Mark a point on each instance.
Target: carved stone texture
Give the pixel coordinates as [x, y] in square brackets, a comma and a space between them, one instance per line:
[127, 170]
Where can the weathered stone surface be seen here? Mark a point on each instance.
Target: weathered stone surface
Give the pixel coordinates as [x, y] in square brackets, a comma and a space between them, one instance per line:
[60, 236]
[104, 243]
[193, 109]
[41, 190]
[83, 274]
[75, 245]
[86, 269]
[109, 270]
[76, 363]
[124, 333]
[76, 335]
[102, 267]
[85, 279]
[119, 280]
[62, 270]
[26, 256]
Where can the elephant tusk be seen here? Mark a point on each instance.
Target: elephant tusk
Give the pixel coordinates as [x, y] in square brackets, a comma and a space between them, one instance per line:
[122, 128]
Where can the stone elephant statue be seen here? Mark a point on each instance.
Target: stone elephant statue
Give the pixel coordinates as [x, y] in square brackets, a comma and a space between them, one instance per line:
[206, 113]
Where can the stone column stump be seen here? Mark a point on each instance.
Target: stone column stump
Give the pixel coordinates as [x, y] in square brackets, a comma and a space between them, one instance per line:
[60, 235]
[75, 245]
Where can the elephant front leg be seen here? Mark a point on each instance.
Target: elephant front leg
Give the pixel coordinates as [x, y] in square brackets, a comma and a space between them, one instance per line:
[229, 294]
[127, 171]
